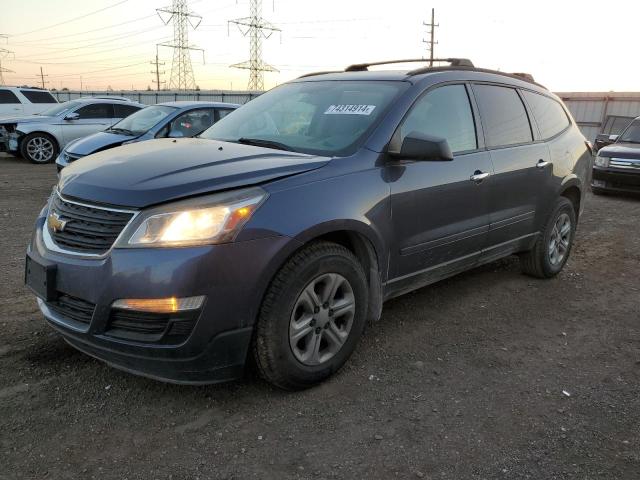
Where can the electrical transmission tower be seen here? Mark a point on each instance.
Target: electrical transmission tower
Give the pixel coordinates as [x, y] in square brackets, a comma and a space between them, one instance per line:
[257, 28]
[432, 31]
[181, 71]
[157, 71]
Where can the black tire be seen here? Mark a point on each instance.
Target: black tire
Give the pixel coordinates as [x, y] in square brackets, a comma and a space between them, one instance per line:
[44, 139]
[537, 261]
[272, 351]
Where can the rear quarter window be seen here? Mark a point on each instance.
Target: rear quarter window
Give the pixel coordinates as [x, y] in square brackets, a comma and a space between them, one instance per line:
[38, 97]
[549, 114]
[7, 96]
[503, 115]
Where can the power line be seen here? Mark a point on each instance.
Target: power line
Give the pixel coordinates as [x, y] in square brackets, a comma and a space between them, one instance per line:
[432, 30]
[181, 70]
[70, 20]
[4, 53]
[257, 29]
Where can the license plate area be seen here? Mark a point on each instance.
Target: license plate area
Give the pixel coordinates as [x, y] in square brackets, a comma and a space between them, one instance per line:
[40, 277]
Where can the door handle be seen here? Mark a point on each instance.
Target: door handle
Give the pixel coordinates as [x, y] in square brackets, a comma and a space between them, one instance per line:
[541, 163]
[479, 176]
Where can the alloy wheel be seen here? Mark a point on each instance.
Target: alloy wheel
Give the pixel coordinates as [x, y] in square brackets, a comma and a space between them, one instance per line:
[322, 318]
[40, 149]
[560, 239]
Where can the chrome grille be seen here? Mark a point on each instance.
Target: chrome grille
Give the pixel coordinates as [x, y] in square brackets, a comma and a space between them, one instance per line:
[87, 229]
[630, 163]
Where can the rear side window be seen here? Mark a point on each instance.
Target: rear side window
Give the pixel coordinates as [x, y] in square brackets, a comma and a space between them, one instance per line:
[38, 97]
[549, 114]
[123, 111]
[222, 112]
[444, 112]
[7, 96]
[503, 116]
[97, 110]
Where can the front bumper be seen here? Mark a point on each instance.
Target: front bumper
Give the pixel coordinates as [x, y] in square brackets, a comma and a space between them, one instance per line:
[232, 276]
[616, 180]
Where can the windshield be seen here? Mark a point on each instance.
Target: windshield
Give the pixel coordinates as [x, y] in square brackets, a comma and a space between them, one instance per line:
[323, 117]
[631, 133]
[141, 121]
[59, 108]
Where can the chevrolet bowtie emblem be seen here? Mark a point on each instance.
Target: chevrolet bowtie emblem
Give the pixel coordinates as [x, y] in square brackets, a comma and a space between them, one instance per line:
[56, 223]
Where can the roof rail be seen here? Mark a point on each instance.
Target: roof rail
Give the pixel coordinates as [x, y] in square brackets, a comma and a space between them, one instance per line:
[526, 76]
[455, 62]
[319, 73]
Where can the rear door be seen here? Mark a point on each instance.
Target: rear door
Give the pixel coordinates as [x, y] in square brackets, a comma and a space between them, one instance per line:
[440, 213]
[522, 170]
[9, 103]
[93, 118]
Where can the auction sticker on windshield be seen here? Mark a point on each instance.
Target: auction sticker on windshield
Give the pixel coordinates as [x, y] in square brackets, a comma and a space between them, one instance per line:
[350, 110]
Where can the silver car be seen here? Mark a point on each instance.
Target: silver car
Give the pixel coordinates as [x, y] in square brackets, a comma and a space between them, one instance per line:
[39, 138]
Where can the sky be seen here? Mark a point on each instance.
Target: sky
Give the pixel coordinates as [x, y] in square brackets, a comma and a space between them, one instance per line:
[565, 45]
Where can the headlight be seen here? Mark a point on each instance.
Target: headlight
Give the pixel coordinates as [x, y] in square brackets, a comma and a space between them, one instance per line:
[601, 161]
[212, 219]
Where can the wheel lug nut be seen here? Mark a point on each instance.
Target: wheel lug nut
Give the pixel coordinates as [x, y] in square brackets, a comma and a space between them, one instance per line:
[316, 309]
[331, 312]
[325, 305]
[312, 322]
[326, 325]
[318, 330]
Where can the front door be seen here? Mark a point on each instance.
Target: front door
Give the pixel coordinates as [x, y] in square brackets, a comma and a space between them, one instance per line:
[92, 118]
[440, 212]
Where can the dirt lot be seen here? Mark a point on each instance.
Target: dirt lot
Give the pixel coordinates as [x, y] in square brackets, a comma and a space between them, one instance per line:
[461, 380]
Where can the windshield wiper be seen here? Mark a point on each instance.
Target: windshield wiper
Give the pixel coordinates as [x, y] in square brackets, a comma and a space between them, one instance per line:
[259, 142]
[122, 130]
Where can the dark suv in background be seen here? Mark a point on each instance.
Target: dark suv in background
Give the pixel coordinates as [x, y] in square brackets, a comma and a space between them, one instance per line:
[281, 230]
[617, 166]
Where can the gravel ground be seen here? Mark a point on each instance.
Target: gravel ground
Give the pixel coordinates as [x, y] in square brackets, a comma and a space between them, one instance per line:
[461, 380]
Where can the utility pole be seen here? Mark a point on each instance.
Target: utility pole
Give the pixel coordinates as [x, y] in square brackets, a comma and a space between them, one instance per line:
[157, 71]
[4, 53]
[181, 71]
[432, 31]
[42, 75]
[257, 28]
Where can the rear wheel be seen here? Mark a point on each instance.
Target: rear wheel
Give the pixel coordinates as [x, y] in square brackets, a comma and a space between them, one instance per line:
[553, 246]
[39, 148]
[312, 317]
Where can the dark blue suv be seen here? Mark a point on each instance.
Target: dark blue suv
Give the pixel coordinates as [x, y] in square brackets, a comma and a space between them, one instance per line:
[279, 232]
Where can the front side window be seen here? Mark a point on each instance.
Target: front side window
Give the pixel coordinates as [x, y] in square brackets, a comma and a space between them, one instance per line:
[7, 96]
[191, 123]
[141, 121]
[444, 112]
[38, 97]
[97, 110]
[632, 133]
[619, 124]
[317, 117]
[549, 114]
[503, 116]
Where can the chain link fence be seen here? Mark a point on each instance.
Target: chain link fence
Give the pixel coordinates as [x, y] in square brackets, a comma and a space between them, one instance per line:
[153, 97]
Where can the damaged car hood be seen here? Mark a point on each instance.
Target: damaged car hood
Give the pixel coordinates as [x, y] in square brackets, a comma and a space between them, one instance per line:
[148, 173]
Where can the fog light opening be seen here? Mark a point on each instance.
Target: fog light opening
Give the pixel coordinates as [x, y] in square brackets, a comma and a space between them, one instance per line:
[159, 305]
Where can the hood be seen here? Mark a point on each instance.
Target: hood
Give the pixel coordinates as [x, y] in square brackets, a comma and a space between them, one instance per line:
[621, 150]
[97, 142]
[147, 173]
[25, 119]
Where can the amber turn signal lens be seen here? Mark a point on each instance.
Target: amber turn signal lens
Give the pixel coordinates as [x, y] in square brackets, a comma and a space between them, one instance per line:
[159, 305]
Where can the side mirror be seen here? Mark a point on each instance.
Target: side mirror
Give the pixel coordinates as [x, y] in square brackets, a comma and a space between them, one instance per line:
[72, 116]
[420, 146]
[613, 138]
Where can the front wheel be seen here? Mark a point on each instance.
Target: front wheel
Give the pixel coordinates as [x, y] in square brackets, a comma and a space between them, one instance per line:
[312, 317]
[553, 246]
[39, 148]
